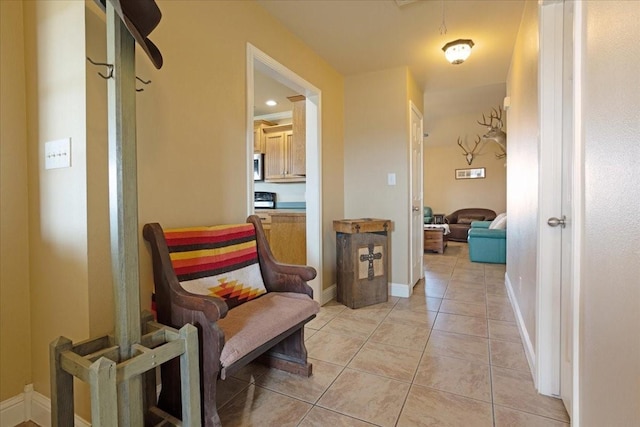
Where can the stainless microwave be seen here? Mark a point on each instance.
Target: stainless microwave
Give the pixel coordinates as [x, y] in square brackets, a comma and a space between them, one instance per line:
[258, 167]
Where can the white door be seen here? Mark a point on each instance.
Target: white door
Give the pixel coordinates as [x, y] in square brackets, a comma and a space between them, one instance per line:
[417, 242]
[557, 259]
[567, 229]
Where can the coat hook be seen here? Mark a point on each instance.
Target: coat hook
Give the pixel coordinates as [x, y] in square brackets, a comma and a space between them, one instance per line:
[146, 82]
[109, 68]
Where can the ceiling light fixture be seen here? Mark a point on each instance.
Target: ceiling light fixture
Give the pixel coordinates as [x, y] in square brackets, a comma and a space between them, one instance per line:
[458, 51]
[271, 103]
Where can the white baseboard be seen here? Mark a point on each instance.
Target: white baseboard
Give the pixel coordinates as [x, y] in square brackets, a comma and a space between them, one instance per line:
[329, 294]
[397, 290]
[12, 411]
[400, 290]
[30, 406]
[524, 333]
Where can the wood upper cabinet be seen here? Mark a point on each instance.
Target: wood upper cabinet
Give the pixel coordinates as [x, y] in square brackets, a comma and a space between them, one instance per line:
[259, 136]
[277, 147]
[298, 153]
[285, 146]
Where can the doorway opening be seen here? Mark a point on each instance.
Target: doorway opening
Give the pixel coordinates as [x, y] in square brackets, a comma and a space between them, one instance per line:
[267, 66]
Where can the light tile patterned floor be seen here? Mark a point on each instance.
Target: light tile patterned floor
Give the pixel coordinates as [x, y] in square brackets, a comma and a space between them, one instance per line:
[450, 355]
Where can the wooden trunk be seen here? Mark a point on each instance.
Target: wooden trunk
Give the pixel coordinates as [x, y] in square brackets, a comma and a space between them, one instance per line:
[362, 259]
[435, 240]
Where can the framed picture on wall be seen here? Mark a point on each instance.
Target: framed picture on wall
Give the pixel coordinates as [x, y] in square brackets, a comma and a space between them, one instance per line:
[470, 173]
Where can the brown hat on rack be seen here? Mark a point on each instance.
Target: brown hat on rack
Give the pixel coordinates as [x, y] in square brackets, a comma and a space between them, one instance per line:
[140, 17]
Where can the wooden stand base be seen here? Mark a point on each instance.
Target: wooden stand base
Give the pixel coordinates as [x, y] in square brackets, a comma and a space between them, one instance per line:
[96, 362]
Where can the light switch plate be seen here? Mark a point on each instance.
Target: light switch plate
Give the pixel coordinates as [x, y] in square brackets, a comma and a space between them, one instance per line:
[57, 154]
[391, 179]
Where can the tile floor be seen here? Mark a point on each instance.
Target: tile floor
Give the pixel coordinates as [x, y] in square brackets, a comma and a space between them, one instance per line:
[450, 355]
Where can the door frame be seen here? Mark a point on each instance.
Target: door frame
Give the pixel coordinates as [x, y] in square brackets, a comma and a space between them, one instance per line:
[313, 197]
[549, 303]
[412, 280]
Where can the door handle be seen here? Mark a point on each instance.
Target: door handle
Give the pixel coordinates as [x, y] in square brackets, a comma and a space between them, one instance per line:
[415, 209]
[554, 222]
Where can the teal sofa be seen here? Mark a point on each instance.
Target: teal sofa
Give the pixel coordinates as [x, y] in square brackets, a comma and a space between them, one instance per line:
[487, 245]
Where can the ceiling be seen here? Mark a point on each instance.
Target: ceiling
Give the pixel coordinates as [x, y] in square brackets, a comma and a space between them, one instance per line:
[266, 88]
[360, 36]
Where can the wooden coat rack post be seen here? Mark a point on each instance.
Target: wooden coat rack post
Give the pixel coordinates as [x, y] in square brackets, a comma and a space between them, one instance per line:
[116, 366]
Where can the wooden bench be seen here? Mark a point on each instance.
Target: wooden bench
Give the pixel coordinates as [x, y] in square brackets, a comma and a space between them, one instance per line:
[190, 263]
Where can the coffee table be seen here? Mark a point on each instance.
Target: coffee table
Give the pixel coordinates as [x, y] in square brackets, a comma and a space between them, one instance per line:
[435, 238]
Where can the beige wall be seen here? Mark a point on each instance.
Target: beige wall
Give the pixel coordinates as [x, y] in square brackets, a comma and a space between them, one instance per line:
[609, 374]
[522, 169]
[444, 193]
[56, 96]
[191, 120]
[191, 156]
[376, 144]
[449, 115]
[15, 321]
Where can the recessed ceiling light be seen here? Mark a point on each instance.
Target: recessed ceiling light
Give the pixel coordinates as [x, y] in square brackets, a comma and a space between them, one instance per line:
[271, 103]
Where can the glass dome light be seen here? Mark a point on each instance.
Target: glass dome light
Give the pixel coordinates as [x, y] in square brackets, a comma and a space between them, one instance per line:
[457, 51]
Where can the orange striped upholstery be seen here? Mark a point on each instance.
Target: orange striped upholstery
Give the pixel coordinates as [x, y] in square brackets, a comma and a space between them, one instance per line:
[219, 260]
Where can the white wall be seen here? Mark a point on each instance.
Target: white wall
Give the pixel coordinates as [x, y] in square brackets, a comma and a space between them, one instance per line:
[610, 289]
[290, 192]
[522, 170]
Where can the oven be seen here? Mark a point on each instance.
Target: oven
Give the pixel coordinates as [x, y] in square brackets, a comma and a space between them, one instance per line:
[258, 167]
[264, 200]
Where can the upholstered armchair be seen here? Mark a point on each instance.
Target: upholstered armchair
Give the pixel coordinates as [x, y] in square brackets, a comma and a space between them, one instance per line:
[460, 221]
[488, 241]
[428, 215]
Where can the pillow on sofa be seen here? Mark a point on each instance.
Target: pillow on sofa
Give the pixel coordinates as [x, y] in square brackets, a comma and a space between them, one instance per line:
[500, 223]
[470, 218]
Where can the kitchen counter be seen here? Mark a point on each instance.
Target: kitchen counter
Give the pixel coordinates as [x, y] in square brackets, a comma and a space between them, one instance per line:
[281, 212]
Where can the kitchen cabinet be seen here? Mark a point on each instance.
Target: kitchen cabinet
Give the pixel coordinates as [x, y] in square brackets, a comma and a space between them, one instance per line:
[288, 237]
[265, 219]
[259, 136]
[280, 156]
[285, 146]
[298, 154]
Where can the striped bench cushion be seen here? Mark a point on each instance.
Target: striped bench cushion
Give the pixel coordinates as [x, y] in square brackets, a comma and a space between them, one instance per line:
[220, 261]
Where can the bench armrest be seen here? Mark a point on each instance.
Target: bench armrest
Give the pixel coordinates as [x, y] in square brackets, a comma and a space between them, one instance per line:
[213, 308]
[280, 277]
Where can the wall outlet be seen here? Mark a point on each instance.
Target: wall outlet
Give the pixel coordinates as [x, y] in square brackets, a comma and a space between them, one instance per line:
[57, 154]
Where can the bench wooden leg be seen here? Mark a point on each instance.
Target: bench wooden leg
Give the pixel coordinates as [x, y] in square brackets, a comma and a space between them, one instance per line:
[289, 355]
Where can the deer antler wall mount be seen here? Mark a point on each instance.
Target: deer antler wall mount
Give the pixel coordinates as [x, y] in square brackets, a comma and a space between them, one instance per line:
[468, 154]
[495, 132]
